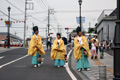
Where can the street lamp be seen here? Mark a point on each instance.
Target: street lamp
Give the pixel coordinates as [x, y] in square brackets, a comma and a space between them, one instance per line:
[117, 45]
[9, 27]
[80, 3]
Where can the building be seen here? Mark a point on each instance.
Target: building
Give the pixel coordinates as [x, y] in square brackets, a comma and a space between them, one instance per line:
[106, 25]
[13, 38]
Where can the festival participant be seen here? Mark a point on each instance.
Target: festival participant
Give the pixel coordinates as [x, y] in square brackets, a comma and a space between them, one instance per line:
[36, 48]
[58, 52]
[81, 51]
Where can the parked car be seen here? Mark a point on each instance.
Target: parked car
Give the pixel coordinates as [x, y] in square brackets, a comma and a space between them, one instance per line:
[2, 42]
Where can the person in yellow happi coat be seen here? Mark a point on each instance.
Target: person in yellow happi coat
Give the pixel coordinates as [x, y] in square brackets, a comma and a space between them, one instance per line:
[80, 47]
[35, 47]
[58, 51]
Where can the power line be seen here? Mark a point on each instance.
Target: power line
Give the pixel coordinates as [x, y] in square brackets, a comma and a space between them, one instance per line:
[28, 13]
[24, 12]
[84, 11]
[39, 3]
[53, 14]
[19, 3]
[7, 15]
[43, 3]
[62, 12]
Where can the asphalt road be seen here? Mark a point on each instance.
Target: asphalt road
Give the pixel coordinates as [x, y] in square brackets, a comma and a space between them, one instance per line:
[23, 70]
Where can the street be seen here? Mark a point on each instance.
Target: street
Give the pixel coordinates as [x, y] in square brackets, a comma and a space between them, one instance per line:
[81, 40]
[23, 70]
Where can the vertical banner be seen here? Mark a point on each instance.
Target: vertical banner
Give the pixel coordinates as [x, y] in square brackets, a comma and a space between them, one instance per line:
[7, 23]
[82, 20]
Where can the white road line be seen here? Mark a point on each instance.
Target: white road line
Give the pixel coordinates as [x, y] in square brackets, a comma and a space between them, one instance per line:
[13, 61]
[68, 69]
[1, 57]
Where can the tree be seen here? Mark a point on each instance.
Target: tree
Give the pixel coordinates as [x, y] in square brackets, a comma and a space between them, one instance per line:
[74, 31]
[90, 30]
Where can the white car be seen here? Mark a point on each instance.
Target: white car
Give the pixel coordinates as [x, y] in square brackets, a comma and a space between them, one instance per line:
[2, 41]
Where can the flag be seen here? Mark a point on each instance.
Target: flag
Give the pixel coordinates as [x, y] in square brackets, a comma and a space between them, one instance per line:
[7, 23]
[82, 20]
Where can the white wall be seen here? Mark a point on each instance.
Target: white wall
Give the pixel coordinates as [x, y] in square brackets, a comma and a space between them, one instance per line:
[103, 35]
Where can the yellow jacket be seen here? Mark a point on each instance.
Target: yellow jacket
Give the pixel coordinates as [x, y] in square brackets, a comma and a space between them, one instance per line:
[32, 49]
[58, 54]
[77, 51]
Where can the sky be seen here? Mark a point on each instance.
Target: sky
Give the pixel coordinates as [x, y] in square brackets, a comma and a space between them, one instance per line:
[63, 13]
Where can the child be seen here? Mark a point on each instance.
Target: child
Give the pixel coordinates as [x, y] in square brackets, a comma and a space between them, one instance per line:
[36, 48]
[101, 48]
[58, 52]
[93, 49]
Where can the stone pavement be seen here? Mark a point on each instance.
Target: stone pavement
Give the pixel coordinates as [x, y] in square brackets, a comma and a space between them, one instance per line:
[93, 74]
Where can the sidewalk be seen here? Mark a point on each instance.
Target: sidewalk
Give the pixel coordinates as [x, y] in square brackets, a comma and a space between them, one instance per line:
[2, 49]
[93, 74]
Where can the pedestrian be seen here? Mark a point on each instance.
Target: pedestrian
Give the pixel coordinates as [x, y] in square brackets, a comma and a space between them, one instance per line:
[104, 43]
[89, 41]
[110, 43]
[6, 43]
[49, 39]
[65, 42]
[81, 51]
[93, 49]
[70, 39]
[36, 48]
[97, 43]
[101, 48]
[58, 52]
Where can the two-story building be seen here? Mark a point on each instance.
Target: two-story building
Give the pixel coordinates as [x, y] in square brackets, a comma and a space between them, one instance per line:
[106, 25]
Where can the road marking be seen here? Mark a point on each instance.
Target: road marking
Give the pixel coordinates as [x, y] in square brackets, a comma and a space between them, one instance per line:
[1, 57]
[99, 64]
[68, 69]
[13, 61]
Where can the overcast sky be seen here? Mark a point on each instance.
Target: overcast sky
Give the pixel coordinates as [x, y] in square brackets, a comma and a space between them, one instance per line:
[65, 13]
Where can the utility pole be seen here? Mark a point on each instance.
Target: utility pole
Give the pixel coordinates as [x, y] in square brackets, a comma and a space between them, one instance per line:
[32, 28]
[46, 32]
[67, 31]
[58, 28]
[89, 25]
[67, 34]
[108, 33]
[50, 11]
[25, 18]
[33, 24]
[48, 19]
[15, 33]
[117, 45]
[25, 22]
[8, 44]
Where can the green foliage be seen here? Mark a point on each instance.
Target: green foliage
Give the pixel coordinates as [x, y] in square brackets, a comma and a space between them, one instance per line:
[90, 30]
[74, 31]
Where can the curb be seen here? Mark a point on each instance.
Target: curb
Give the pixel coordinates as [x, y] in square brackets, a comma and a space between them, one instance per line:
[82, 75]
